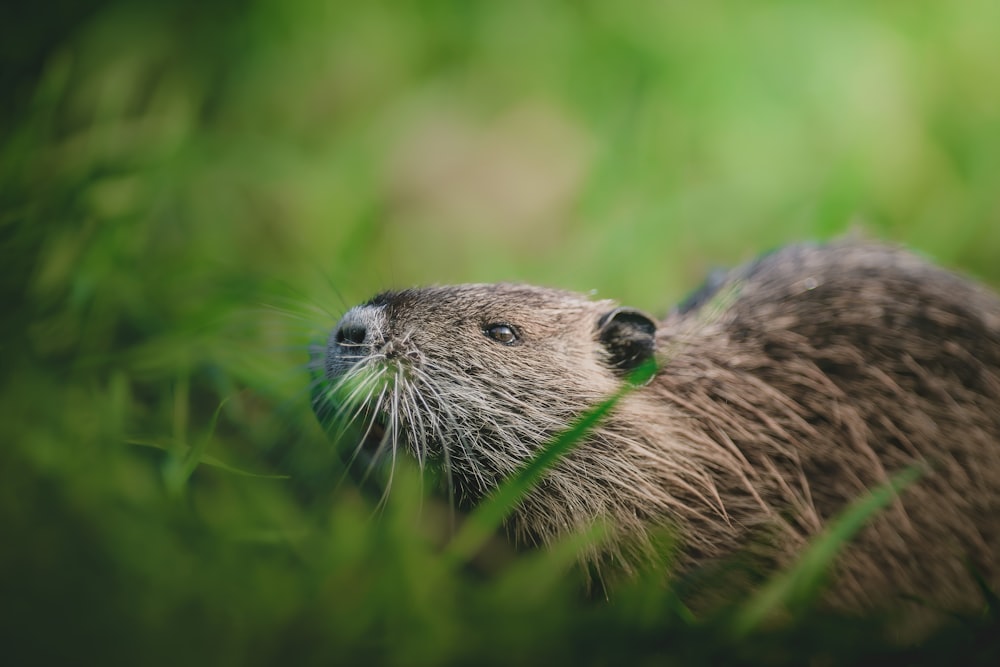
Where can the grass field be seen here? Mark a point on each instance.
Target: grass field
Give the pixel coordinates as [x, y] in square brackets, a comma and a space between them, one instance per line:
[189, 195]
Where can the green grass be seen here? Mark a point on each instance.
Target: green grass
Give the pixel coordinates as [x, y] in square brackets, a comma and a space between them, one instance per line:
[489, 515]
[189, 196]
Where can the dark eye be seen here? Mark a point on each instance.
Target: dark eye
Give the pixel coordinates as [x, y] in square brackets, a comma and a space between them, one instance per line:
[501, 333]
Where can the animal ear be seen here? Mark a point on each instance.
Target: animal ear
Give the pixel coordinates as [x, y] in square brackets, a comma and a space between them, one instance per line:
[628, 336]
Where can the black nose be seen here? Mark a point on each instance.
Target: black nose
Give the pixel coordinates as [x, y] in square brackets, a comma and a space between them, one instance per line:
[352, 332]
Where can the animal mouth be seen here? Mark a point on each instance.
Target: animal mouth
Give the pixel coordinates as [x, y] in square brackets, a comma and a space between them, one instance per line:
[371, 450]
[374, 438]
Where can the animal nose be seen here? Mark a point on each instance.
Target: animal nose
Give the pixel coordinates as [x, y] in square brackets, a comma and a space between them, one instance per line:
[351, 331]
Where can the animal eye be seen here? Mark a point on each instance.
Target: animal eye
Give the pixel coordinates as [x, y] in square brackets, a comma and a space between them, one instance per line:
[502, 333]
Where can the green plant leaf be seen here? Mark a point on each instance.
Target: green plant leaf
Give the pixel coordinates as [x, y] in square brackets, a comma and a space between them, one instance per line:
[487, 518]
[792, 589]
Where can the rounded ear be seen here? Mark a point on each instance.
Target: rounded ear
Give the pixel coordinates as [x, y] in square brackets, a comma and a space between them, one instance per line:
[628, 336]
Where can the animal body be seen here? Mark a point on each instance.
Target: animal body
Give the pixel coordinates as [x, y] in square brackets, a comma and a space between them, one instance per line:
[786, 389]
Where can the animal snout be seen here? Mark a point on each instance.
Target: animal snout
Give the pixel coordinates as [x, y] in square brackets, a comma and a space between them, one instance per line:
[352, 330]
[359, 331]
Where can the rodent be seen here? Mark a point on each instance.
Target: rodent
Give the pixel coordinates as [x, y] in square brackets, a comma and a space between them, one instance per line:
[786, 389]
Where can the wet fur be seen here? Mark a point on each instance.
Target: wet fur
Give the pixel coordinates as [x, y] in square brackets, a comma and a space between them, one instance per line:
[787, 388]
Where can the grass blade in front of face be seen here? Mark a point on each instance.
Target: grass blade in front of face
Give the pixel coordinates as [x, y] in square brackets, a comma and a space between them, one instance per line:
[485, 520]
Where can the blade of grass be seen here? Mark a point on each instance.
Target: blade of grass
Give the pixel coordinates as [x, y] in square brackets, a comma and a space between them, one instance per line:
[793, 588]
[486, 519]
[205, 459]
[178, 470]
[992, 600]
[535, 576]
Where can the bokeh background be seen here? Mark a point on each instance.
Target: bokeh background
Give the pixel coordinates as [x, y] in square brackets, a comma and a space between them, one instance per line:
[191, 192]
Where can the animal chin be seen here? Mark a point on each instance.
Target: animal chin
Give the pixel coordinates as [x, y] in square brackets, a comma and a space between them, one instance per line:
[374, 438]
[372, 452]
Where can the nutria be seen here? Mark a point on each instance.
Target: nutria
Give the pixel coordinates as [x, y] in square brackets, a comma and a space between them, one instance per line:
[786, 389]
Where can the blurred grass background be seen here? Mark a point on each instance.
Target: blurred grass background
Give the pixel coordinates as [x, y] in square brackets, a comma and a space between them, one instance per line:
[190, 192]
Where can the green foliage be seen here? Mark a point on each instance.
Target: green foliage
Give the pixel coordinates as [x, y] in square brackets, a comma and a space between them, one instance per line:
[487, 518]
[191, 193]
[795, 589]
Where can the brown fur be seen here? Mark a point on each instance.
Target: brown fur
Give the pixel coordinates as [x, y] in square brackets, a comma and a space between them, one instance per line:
[786, 390]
